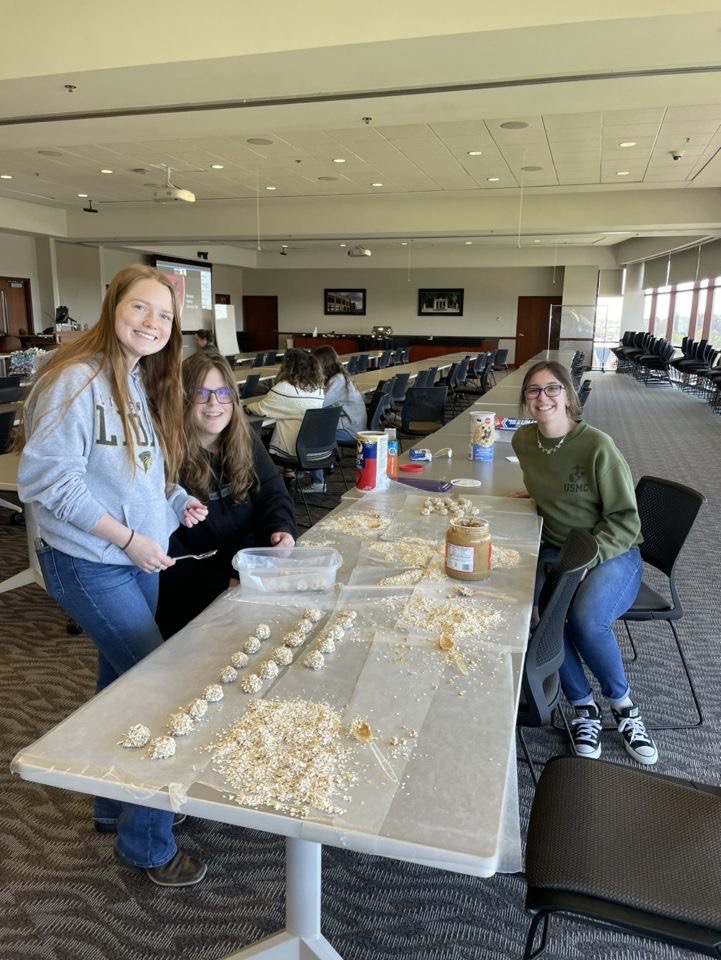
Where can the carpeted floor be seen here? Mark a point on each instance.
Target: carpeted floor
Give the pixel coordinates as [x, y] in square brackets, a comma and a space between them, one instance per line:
[62, 896]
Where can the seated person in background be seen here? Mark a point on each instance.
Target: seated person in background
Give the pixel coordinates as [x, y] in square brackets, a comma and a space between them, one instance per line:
[340, 391]
[226, 466]
[297, 388]
[204, 340]
[578, 478]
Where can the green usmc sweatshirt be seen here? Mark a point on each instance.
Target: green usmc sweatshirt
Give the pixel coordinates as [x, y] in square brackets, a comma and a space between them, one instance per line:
[585, 483]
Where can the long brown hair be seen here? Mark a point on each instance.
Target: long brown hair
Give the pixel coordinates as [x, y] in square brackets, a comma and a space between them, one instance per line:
[557, 370]
[330, 363]
[236, 441]
[301, 369]
[159, 371]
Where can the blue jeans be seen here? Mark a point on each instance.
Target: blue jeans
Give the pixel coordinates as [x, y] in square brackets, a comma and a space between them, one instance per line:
[115, 606]
[606, 593]
[318, 476]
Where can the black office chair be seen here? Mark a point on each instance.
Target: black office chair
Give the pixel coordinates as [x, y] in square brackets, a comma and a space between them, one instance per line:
[231, 359]
[250, 387]
[399, 386]
[6, 428]
[540, 685]
[316, 447]
[271, 358]
[352, 365]
[11, 382]
[363, 363]
[668, 511]
[423, 412]
[259, 360]
[385, 359]
[619, 845]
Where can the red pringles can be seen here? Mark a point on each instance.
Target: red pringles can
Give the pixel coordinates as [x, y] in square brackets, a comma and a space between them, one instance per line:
[372, 461]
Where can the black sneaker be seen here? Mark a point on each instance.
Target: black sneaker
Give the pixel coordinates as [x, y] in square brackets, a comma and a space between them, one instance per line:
[635, 739]
[586, 731]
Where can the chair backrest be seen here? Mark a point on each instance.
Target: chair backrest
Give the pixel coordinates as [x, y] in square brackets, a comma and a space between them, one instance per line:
[230, 358]
[363, 363]
[250, 387]
[7, 383]
[316, 444]
[385, 358]
[501, 357]
[432, 371]
[545, 653]
[380, 404]
[6, 428]
[271, 358]
[421, 379]
[424, 405]
[460, 374]
[11, 394]
[259, 360]
[667, 510]
[352, 365]
[400, 385]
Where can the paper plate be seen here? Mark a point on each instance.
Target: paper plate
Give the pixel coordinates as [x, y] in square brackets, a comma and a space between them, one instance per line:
[466, 482]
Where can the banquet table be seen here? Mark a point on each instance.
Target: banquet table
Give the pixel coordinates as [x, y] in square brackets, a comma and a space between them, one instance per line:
[444, 790]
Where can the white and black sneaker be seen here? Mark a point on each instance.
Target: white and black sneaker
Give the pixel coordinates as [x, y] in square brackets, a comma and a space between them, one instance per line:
[635, 738]
[586, 731]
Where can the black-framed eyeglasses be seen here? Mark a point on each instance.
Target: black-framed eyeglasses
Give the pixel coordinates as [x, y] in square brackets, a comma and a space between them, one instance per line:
[551, 390]
[203, 394]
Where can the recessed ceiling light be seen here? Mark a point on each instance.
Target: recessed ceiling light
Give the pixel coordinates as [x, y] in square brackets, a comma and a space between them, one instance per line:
[493, 179]
[284, 245]
[514, 125]
[217, 166]
[475, 153]
[469, 243]
[622, 173]
[105, 170]
[531, 169]
[536, 241]
[6, 176]
[342, 244]
[338, 159]
[627, 143]
[271, 188]
[83, 196]
[376, 184]
[404, 243]
[259, 141]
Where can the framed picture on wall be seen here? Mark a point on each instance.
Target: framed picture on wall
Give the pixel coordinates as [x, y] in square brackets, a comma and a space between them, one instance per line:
[435, 302]
[352, 302]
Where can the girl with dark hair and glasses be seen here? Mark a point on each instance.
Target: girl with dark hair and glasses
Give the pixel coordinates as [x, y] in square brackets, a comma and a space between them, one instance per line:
[578, 478]
[225, 466]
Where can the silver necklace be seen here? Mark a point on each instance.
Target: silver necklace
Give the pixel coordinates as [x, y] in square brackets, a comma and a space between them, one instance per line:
[549, 450]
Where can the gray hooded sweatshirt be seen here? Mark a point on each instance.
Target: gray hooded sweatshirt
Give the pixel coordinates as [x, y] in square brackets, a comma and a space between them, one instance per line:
[75, 466]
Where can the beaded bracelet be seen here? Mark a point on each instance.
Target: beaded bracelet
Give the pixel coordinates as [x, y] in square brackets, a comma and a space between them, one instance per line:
[130, 540]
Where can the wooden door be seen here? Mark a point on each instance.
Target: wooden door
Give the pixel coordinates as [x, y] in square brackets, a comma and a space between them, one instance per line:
[260, 323]
[15, 312]
[532, 323]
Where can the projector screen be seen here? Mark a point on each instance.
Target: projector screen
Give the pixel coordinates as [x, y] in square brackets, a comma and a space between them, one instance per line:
[193, 282]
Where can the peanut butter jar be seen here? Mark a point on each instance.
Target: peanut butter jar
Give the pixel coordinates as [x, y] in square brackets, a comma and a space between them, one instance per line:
[468, 549]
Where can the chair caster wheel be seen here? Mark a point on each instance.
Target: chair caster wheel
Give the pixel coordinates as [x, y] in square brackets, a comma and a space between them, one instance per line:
[73, 628]
[17, 519]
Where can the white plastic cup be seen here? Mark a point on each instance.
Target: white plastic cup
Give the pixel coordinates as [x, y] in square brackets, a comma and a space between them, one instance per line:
[483, 435]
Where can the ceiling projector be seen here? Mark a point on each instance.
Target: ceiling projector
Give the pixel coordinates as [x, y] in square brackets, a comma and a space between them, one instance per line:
[169, 192]
[359, 252]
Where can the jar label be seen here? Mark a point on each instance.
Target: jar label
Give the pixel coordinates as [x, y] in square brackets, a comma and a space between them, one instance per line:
[459, 558]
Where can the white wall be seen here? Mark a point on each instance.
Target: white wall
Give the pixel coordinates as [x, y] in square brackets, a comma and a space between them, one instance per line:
[490, 298]
[79, 281]
[18, 259]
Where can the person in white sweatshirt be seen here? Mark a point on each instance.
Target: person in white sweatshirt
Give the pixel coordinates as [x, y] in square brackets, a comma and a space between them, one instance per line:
[297, 388]
[102, 447]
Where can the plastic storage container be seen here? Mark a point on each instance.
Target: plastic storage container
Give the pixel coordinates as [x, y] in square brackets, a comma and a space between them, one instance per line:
[287, 570]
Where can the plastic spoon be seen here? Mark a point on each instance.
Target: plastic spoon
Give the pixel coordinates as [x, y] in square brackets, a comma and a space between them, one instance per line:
[361, 730]
[197, 556]
[448, 645]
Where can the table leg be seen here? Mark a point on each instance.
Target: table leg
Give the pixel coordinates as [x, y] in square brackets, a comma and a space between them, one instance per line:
[32, 573]
[301, 939]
